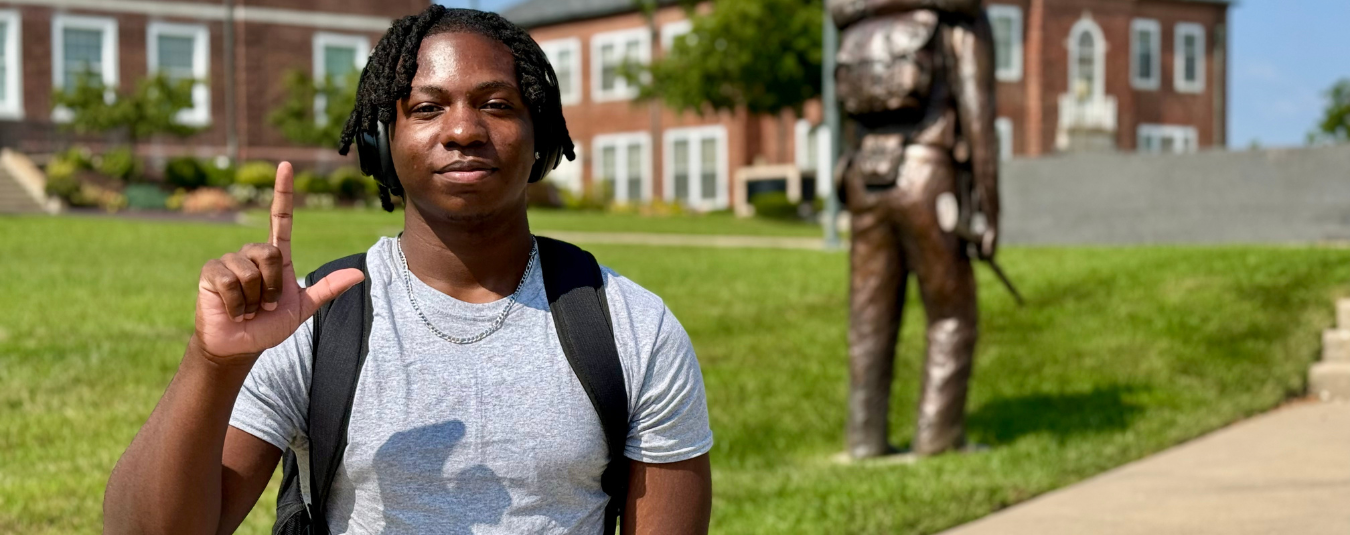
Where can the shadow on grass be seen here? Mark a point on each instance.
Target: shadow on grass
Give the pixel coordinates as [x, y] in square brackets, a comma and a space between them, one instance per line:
[1006, 419]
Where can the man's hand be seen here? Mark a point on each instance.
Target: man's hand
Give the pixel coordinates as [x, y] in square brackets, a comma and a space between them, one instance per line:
[249, 301]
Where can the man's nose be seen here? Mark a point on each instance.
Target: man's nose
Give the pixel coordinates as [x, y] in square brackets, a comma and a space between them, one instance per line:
[464, 127]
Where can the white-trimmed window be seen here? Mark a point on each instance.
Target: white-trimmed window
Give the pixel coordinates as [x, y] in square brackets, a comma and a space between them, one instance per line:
[1007, 24]
[81, 43]
[1145, 54]
[609, 52]
[565, 56]
[1166, 139]
[1087, 60]
[1188, 62]
[11, 66]
[696, 166]
[1003, 127]
[671, 31]
[181, 51]
[568, 173]
[336, 55]
[624, 163]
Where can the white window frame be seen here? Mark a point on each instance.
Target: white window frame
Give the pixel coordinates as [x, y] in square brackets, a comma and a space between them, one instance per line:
[1086, 24]
[572, 94]
[1155, 30]
[1187, 138]
[107, 25]
[200, 112]
[568, 173]
[692, 134]
[622, 90]
[1179, 81]
[673, 30]
[1003, 128]
[320, 40]
[12, 108]
[1014, 72]
[621, 141]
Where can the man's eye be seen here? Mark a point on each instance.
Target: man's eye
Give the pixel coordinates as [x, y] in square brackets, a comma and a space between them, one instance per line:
[497, 105]
[425, 108]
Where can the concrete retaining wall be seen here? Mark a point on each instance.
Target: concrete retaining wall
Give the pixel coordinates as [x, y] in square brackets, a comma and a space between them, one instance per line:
[1261, 196]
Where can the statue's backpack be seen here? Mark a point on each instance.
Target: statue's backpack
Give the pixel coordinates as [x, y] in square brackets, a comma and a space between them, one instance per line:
[888, 63]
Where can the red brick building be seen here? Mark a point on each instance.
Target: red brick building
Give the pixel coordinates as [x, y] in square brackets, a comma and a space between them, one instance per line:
[1147, 75]
[42, 42]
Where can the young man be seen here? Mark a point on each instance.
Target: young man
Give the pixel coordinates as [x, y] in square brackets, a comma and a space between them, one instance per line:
[466, 417]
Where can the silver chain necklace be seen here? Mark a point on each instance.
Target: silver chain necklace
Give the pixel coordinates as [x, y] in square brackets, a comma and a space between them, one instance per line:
[501, 318]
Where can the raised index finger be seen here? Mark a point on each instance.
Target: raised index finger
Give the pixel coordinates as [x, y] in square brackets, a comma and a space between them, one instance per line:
[282, 207]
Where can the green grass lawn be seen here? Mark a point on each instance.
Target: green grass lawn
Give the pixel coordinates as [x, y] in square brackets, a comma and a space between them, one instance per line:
[1120, 352]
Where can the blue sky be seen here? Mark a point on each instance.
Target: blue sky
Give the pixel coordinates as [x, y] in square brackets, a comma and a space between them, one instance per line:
[1284, 56]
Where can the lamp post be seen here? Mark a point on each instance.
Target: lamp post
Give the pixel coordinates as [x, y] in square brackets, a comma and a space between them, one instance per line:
[830, 36]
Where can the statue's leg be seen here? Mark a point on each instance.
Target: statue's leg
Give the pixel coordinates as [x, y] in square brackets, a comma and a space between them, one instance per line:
[947, 286]
[876, 297]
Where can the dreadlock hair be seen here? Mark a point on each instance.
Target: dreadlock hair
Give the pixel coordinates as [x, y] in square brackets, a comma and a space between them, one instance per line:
[387, 78]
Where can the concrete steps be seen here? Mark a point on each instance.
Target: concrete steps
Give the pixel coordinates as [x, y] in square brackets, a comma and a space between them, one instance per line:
[14, 199]
[1330, 378]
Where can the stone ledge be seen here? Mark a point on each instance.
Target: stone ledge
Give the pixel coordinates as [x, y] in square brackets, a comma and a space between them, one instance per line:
[1330, 380]
[1336, 345]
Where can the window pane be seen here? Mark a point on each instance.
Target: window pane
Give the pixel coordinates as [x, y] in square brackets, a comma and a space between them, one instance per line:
[562, 65]
[634, 172]
[708, 167]
[4, 67]
[1144, 40]
[609, 64]
[82, 49]
[338, 61]
[1003, 43]
[1167, 143]
[631, 50]
[1189, 55]
[608, 166]
[1087, 60]
[812, 148]
[175, 56]
[681, 164]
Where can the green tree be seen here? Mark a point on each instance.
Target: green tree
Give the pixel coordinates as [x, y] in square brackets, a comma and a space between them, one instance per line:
[313, 113]
[150, 108]
[764, 55]
[1335, 123]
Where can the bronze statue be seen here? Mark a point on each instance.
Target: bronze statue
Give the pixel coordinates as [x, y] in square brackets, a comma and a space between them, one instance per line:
[920, 179]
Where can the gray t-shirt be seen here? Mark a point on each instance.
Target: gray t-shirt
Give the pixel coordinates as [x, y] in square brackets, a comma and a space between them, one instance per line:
[492, 437]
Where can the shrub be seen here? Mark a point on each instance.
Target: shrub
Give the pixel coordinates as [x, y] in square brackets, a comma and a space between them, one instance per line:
[260, 175]
[184, 172]
[119, 163]
[319, 200]
[593, 197]
[352, 185]
[218, 176]
[63, 185]
[775, 205]
[208, 200]
[145, 197]
[312, 183]
[242, 193]
[175, 201]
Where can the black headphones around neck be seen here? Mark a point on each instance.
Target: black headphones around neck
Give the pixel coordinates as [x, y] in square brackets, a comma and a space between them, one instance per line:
[372, 150]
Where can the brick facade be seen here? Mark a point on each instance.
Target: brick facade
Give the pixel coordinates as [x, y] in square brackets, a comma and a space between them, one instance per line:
[1029, 104]
[271, 38]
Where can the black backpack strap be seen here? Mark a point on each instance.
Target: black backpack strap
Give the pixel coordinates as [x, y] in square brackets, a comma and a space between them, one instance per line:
[576, 297]
[336, 368]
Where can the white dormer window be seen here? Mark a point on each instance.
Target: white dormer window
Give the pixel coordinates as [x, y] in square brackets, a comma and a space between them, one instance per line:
[1189, 58]
[565, 56]
[609, 52]
[180, 52]
[1007, 24]
[11, 66]
[1145, 54]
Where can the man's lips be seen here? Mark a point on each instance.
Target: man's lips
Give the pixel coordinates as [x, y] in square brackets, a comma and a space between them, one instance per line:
[466, 171]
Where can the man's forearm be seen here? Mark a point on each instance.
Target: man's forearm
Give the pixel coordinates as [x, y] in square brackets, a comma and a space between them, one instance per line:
[169, 479]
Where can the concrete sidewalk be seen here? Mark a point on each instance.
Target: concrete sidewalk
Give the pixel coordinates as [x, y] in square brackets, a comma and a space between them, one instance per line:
[1287, 471]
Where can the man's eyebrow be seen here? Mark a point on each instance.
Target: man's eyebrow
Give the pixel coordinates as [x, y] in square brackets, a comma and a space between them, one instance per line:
[495, 84]
[436, 91]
